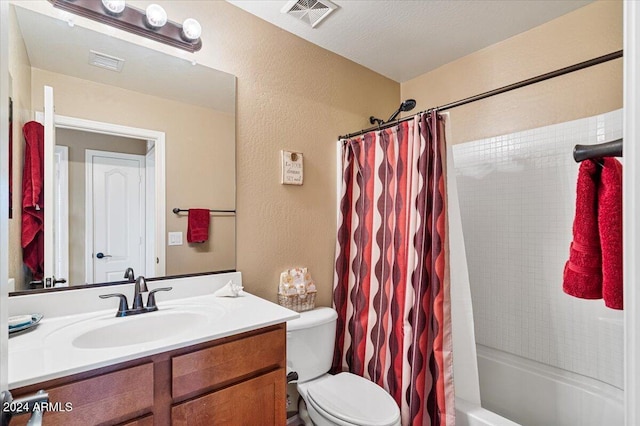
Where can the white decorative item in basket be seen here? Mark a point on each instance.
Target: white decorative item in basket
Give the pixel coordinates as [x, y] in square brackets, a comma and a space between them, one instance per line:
[296, 290]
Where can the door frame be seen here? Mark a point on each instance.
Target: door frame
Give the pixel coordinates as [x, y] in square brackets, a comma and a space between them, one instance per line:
[631, 207]
[4, 194]
[88, 203]
[155, 137]
[61, 220]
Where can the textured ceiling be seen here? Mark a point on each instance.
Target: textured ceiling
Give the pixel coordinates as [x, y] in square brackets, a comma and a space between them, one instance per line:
[403, 39]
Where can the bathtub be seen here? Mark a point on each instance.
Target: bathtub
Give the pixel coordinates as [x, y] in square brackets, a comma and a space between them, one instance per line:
[531, 393]
[468, 414]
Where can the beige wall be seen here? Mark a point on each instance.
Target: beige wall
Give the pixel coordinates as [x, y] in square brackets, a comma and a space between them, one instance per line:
[20, 74]
[78, 142]
[200, 156]
[584, 34]
[291, 95]
[294, 95]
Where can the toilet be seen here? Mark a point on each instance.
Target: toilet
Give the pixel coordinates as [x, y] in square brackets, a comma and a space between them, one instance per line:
[344, 399]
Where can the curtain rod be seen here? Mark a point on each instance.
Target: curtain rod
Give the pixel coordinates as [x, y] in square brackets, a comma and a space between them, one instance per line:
[562, 71]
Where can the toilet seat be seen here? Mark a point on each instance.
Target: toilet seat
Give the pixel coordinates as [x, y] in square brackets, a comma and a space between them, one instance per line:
[347, 399]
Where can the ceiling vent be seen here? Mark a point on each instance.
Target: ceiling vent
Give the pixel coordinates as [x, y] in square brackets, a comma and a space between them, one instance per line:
[105, 61]
[310, 11]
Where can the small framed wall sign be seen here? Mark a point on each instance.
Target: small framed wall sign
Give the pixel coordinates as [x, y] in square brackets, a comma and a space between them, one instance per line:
[292, 168]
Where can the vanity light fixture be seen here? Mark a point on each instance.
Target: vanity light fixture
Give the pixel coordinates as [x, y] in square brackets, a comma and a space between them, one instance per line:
[191, 29]
[155, 16]
[114, 7]
[151, 23]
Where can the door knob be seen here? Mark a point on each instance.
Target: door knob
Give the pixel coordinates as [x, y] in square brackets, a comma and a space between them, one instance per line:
[100, 255]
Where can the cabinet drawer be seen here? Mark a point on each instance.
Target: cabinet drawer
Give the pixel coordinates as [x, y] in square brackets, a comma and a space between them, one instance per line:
[259, 401]
[106, 399]
[222, 364]
[142, 421]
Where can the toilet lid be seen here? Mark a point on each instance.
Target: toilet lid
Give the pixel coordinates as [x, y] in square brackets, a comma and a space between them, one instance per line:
[354, 400]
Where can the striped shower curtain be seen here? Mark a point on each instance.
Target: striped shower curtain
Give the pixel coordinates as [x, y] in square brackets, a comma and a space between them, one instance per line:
[391, 285]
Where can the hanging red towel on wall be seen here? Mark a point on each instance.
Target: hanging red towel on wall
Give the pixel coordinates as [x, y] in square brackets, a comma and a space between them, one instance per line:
[583, 271]
[594, 268]
[33, 199]
[198, 225]
[610, 226]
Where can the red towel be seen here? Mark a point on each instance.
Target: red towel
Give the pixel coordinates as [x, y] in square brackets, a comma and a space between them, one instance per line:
[610, 225]
[583, 271]
[33, 199]
[594, 269]
[198, 227]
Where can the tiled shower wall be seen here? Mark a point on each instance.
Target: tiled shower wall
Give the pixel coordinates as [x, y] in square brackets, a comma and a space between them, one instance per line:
[517, 200]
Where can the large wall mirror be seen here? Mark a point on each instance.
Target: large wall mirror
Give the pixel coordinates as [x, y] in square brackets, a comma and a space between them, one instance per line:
[132, 133]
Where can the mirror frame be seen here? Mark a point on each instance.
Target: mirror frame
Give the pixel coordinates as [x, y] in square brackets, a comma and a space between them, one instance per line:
[110, 283]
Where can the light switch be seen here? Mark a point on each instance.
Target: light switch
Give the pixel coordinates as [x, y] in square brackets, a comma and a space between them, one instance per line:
[175, 238]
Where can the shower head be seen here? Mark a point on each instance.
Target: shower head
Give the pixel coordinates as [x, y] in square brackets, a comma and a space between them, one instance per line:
[407, 105]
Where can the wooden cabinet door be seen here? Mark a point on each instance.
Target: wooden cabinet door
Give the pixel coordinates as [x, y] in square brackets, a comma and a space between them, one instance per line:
[259, 401]
[106, 399]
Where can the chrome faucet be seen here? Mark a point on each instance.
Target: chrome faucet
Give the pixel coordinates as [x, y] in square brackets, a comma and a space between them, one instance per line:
[138, 306]
[130, 275]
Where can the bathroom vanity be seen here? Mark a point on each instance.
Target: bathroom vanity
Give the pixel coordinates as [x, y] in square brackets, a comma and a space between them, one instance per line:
[225, 365]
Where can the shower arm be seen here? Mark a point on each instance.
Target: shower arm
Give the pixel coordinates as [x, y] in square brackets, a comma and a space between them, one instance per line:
[407, 105]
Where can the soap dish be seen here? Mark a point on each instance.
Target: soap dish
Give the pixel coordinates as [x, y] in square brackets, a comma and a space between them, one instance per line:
[35, 319]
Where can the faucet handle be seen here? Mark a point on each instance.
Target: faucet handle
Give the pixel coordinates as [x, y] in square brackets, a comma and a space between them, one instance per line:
[123, 307]
[151, 300]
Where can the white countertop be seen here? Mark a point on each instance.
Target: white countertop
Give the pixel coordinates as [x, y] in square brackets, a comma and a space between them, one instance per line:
[47, 352]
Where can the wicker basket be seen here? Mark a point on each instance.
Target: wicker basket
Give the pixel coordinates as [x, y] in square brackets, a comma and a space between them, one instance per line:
[297, 303]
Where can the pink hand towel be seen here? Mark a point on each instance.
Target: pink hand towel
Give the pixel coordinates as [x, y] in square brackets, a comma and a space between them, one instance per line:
[583, 271]
[610, 226]
[198, 225]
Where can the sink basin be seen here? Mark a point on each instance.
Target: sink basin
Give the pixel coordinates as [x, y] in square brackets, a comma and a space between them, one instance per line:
[139, 329]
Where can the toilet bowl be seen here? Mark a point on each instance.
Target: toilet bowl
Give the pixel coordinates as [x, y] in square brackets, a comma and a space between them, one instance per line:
[347, 400]
[343, 399]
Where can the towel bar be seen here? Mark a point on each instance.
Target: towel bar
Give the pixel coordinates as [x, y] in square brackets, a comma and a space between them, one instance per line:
[607, 149]
[177, 210]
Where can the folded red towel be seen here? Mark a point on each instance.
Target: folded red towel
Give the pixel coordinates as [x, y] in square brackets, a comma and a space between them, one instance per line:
[583, 271]
[610, 225]
[198, 226]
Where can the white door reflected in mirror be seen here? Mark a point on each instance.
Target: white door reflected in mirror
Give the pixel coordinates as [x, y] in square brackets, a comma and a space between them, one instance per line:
[114, 200]
[115, 229]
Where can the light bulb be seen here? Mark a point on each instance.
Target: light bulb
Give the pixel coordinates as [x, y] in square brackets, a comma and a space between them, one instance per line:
[156, 16]
[191, 29]
[114, 7]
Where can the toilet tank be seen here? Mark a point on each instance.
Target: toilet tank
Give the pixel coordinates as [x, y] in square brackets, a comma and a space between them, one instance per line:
[310, 342]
